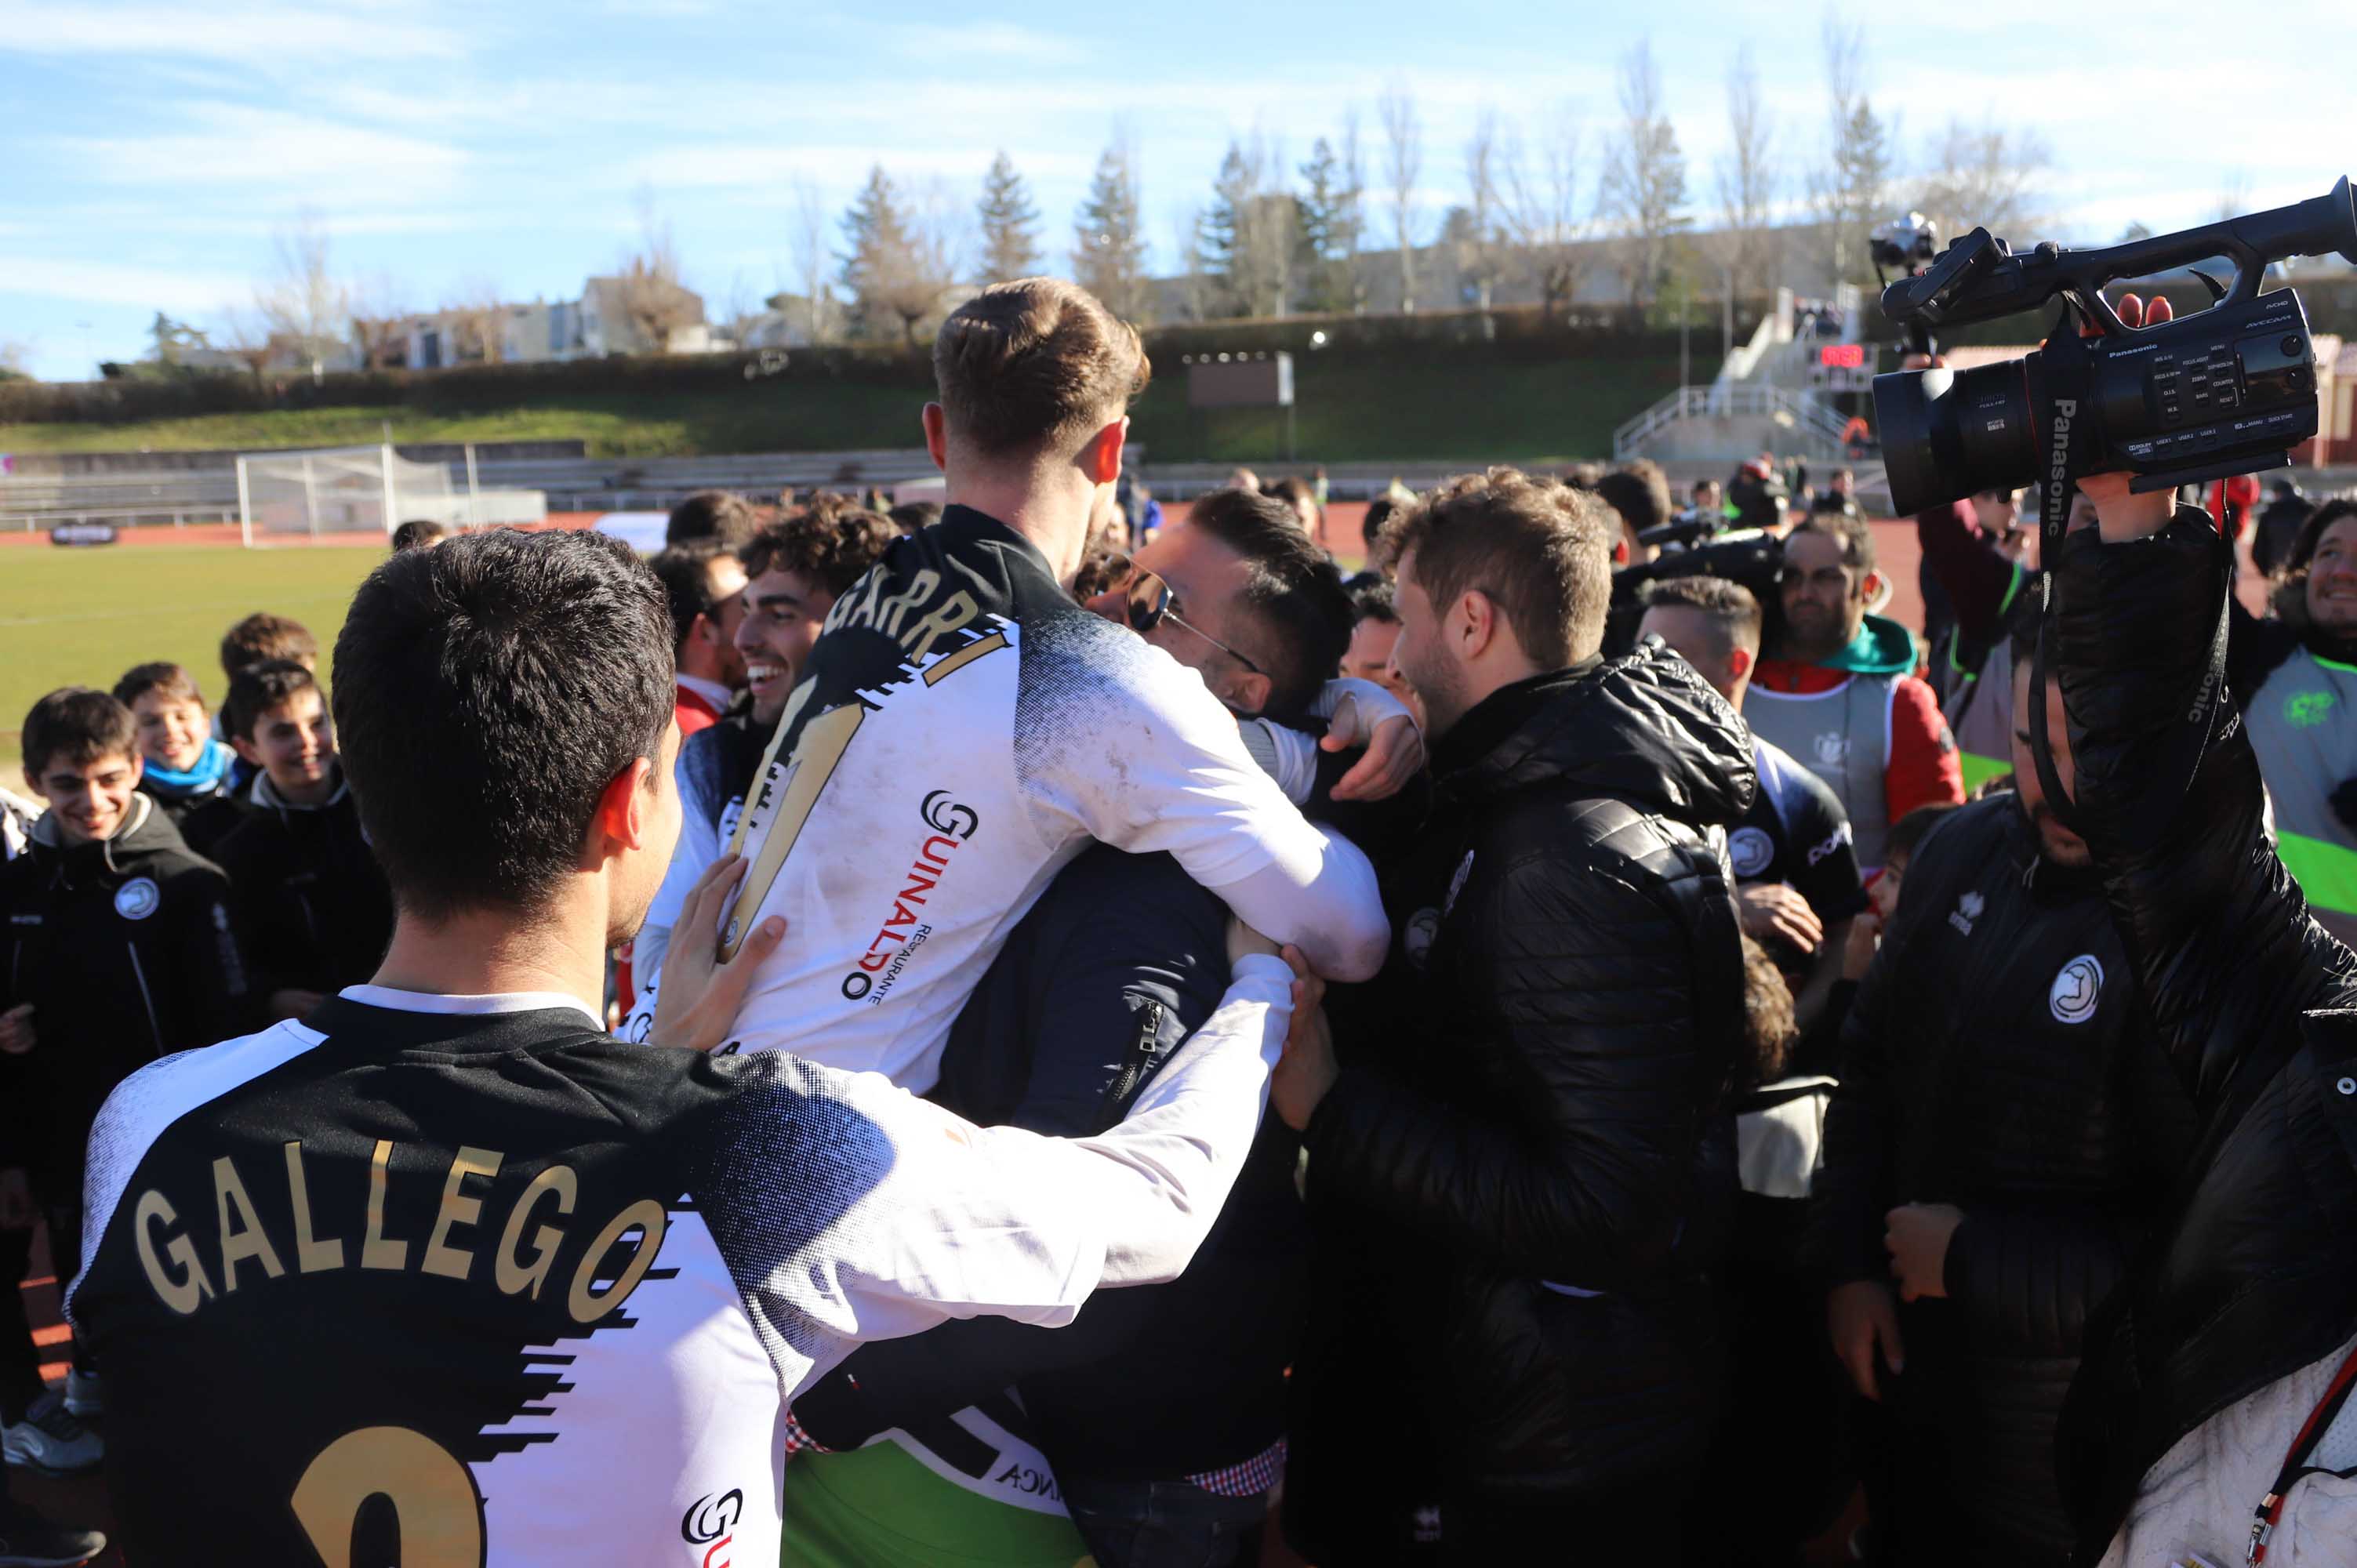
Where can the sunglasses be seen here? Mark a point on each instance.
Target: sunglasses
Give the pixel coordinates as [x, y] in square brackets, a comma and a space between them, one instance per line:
[1149, 600]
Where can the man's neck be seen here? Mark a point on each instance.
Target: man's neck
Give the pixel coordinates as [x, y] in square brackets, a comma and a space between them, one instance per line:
[300, 793]
[1055, 524]
[495, 953]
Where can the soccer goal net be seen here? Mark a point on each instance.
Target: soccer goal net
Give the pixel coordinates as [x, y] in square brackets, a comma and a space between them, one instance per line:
[363, 490]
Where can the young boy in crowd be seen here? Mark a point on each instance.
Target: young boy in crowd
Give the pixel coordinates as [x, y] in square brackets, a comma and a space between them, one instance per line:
[313, 907]
[181, 766]
[115, 948]
[257, 639]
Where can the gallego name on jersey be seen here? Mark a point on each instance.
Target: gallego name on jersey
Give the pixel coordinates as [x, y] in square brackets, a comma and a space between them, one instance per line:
[520, 1262]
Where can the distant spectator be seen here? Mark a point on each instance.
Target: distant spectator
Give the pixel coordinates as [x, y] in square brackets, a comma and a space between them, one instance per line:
[418, 533]
[704, 586]
[1244, 479]
[1640, 492]
[185, 770]
[1376, 628]
[711, 514]
[1377, 566]
[1302, 497]
[1709, 499]
[915, 517]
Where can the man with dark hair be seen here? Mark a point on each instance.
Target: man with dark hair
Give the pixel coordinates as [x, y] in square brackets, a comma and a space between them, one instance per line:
[704, 582]
[1639, 493]
[960, 708]
[1523, 1168]
[261, 638]
[313, 908]
[418, 533]
[477, 1181]
[1372, 637]
[1301, 499]
[796, 569]
[2005, 1129]
[915, 517]
[1838, 694]
[717, 515]
[116, 948]
[1798, 882]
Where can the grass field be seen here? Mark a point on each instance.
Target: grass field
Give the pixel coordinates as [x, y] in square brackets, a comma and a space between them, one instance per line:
[1349, 410]
[84, 616]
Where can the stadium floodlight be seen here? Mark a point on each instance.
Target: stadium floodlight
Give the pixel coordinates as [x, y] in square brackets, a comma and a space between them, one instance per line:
[362, 489]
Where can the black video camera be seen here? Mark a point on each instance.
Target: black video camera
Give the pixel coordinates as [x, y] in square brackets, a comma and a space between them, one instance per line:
[2229, 391]
[1755, 560]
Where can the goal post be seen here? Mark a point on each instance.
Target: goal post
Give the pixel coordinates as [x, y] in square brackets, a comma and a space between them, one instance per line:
[347, 490]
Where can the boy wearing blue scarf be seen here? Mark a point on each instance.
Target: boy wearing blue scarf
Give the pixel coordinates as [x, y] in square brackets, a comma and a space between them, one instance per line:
[186, 772]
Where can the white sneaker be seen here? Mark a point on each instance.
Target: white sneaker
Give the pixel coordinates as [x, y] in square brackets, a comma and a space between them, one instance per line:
[86, 1394]
[51, 1439]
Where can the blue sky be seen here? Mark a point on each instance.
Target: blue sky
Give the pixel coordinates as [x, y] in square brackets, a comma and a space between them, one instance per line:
[151, 150]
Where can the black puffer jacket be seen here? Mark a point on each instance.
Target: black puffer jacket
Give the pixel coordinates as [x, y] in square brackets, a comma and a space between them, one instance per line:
[2250, 1274]
[1999, 1059]
[1524, 1173]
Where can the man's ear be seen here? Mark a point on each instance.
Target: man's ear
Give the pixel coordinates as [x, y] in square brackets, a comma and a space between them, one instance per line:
[1738, 662]
[624, 808]
[1101, 458]
[245, 749]
[937, 436]
[1873, 585]
[1473, 624]
[1249, 693]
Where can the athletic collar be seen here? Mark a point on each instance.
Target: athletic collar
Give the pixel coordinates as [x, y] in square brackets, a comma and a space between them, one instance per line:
[387, 998]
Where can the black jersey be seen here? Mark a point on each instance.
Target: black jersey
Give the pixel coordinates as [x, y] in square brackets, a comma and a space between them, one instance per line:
[468, 1273]
[1796, 833]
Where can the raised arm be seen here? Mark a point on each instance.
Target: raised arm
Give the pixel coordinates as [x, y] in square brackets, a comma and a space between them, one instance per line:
[1980, 580]
[2167, 789]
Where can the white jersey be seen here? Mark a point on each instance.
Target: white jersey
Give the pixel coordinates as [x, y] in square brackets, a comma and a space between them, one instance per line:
[467, 1271]
[961, 731]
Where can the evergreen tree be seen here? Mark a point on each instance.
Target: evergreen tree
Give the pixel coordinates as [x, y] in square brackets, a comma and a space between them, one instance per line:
[1224, 248]
[1326, 215]
[1010, 242]
[877, 266]
[1108, 245]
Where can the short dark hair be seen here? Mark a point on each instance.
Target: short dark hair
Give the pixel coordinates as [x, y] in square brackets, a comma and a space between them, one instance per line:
[1541, 552]
[1771, 1023]
[172, 680]
[1848, 530]
[80, 725]
[1292, 588]
[261, 637]
[833, 541]
[1908, 833]
[1375, 601]
[686, 572]
[487, 692]
[253, 693]
[1729, 606]
[1371, 527]
[1293, 491]
[915, 517]
[711, 514]
[417, 534]
[1033, 365]
[1640, 492]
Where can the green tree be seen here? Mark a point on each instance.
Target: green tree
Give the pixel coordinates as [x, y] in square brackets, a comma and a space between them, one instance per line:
[1108, 242]
[887, 272]
[1009, 223]
[1332, 221]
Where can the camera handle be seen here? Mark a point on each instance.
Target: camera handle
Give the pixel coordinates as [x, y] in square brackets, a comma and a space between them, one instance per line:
[2060, 403]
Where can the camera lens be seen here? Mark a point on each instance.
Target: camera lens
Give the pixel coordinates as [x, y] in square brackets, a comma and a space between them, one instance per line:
[1948, 433]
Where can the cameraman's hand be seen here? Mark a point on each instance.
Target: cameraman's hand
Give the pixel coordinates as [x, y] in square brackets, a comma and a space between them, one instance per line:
[1863, 1316]
[1394, 753]
[2120, 515]
[1242, 940]
[696, 1006]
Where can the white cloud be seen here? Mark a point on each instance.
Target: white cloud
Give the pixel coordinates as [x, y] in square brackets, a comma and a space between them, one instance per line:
[257, 35]
[179, 290]
[274, 153]
[954, 43]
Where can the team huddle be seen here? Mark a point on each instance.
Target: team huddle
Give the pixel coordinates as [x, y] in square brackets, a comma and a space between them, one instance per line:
[981, 883]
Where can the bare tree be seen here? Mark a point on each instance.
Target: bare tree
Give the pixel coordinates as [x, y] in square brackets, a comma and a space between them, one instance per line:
[1644, 188]
[1109, 235]
[807, 239]
[1194, 282]
[16, 358]
[245, 337]
[1747, 243]
[1349, 227]
[1544, 210]
[649, 293]
[476, 323]
[302, 303]
[1984, 179]
[380, 318]
[1850, 190]
[1482, 250]
[1402, 164]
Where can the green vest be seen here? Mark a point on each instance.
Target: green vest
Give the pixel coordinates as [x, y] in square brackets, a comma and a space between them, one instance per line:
[884, 1505]
[2303, 724]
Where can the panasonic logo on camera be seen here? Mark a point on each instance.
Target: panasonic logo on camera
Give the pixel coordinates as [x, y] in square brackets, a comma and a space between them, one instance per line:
[2065, 410]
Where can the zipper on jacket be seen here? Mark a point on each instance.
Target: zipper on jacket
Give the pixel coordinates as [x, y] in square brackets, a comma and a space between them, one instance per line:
[1145, 1054]
[139, 971]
